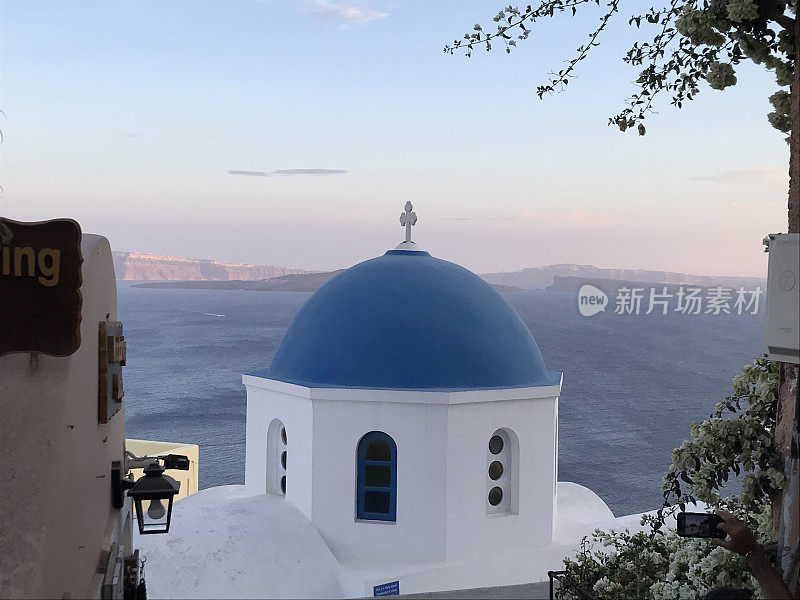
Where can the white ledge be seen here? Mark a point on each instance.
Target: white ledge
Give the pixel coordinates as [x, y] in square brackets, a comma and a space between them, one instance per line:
[407, 396]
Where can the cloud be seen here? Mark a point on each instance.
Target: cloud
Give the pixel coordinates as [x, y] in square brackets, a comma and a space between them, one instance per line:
[344, 12]
[475, 219]
[569, 219]
[250, 173]
[288, 172]
[308, 172]
[760, 175]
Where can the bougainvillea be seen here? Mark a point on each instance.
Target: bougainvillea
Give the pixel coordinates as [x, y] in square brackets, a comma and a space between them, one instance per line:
[735, 441]
[624, 565]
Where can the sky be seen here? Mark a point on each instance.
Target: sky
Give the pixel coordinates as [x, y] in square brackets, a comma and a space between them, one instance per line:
[293, 133]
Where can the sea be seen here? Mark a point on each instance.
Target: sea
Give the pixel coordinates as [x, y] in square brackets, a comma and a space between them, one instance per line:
[632, 382]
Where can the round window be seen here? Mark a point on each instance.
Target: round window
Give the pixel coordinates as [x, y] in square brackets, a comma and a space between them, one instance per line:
[495, 469]
[283, 459]
[283, 434]
[495, 496]
[495, 444]
[283, 485]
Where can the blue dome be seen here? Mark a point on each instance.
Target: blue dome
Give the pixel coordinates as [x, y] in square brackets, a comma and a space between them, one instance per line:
[406, 320]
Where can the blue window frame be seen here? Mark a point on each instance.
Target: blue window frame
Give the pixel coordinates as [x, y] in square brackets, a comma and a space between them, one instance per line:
[376, 494]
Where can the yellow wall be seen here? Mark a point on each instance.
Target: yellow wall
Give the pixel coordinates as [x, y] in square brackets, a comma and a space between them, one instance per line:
[188, 479]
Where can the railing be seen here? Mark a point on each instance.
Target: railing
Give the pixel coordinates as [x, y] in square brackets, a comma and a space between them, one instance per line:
[554, 576]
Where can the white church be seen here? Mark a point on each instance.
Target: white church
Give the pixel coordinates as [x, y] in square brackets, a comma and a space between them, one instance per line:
[403, 440]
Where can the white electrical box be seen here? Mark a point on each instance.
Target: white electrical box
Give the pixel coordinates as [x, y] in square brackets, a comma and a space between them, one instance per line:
[783, 298]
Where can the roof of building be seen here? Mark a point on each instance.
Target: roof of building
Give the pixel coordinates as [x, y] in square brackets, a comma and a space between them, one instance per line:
[226, 542]
[406, 320]
[232, 542]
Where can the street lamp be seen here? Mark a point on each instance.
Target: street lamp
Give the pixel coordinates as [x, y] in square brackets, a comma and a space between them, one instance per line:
[157, 488]
[149, 493]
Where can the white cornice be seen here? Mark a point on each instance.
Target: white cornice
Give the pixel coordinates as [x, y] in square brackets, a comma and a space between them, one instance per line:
[404, 396]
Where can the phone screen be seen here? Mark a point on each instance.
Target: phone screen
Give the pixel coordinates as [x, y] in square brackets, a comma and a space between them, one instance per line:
[699, 525]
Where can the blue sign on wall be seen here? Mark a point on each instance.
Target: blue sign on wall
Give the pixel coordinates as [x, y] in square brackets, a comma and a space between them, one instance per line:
[387, 589]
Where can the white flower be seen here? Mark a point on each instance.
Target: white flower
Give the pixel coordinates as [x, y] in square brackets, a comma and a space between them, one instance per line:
[720, 75]
[742, 10]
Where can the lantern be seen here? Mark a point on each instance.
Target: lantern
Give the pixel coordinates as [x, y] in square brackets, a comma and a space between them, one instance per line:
[152, 496]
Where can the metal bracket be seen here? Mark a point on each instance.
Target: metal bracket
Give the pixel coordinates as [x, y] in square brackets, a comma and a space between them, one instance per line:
[119, 484]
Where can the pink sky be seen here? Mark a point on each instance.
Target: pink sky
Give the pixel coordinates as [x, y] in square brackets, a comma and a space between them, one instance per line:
[214, 134]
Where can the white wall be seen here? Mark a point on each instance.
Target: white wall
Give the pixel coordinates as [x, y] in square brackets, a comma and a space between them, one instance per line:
[420, 434]
[264, 405]
[555, 465]
[471, 532]
[55, 458]
[442, 440]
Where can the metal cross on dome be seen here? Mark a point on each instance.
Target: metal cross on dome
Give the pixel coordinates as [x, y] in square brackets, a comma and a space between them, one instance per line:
[407, 219]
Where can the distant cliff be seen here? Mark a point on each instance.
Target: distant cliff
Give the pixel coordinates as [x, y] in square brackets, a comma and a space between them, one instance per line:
[610, 286]
[294, 282]
[153, 267]
[542, 277]
[302, 282]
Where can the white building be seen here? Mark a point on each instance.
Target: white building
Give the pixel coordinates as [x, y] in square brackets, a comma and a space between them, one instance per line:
[408, 422]
[60, 534]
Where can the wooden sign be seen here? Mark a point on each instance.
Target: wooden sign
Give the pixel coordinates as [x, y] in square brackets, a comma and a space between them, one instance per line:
[40, 281]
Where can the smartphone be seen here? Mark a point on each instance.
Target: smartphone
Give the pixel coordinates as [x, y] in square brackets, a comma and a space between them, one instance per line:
[700, 525]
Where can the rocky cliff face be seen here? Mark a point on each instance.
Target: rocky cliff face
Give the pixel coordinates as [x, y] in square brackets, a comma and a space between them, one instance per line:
[153, 267]
[295, 282]
[542, 277]
[610, 285]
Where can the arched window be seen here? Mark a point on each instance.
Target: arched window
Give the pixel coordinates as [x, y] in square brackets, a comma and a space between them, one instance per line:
[502, 474]
[276, 458]
[376, 494]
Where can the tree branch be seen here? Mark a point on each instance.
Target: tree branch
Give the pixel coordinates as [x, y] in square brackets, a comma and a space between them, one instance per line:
[775, 12]
[547, 8]
[561, 76]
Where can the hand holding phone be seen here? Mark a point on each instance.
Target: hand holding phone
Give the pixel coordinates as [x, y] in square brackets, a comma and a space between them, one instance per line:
[700, 525]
